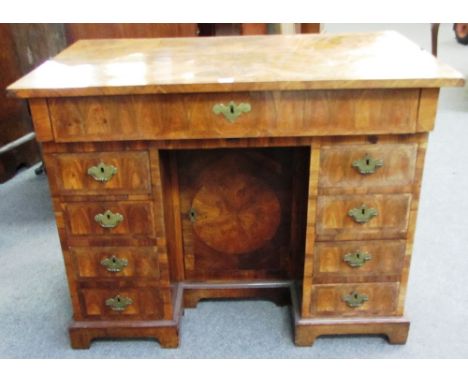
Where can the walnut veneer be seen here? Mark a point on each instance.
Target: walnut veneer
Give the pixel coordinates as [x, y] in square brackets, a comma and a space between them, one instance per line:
[305, 190]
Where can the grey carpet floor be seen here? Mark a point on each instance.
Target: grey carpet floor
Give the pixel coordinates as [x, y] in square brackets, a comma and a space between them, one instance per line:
[35, 307]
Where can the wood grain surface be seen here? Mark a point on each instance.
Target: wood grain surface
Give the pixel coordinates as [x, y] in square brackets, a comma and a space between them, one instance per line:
[137, 218]
[385, 263]
[328, 300]
[141, 262]
[334, 223]
[337, 171]
[241, 201]
[273, 114]
[275, 62]
[132, 173]
[146, 303]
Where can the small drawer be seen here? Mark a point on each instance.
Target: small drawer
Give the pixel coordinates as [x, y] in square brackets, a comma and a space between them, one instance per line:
[362, 217]
[128, 303]
[115, 262]
[110, 218]
[108, 173]
[354, 299]
[358, 261]
[367, 166]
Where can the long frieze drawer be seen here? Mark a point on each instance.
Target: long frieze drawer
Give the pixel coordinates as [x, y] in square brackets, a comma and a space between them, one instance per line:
[354, 299]
[101, 173]
[358, 261]
[234, 115]
[362, 217]
[128, 303]
[115, 262]
[355, 166]
[111, 218]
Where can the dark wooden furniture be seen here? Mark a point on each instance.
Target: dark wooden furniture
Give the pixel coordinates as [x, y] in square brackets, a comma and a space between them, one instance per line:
[225, 29]
[184, 169]
[22, 48]
[75, 32]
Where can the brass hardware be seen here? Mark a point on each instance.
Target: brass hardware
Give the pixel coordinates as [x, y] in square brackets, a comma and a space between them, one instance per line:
[367, 165]
[114, 264]
[231, 111]
[192, 215]
[356, 259]
[108, 219]
[362, 214]
[355, 299]
[119, 303]
[102, 172]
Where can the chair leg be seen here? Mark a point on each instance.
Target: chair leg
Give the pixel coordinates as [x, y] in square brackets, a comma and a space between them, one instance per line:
[434, 37]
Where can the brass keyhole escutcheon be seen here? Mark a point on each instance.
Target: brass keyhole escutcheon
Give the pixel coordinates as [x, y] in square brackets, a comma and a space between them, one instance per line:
[362, 214]
[231, 111]
[114, 264]
[355, 299]
[367, 165]
[102, 172]
[356, 259]
[119, 303]
[108, 219]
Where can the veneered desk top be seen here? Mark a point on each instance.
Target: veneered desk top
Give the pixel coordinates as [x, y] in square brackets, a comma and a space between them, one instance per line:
[221, 64]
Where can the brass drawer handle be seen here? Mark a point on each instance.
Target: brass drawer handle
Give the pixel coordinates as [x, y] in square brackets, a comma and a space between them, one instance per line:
[102, 172]
[231, 111]
[355, 299]
[119, 303]
[367, 165]
[114, 264]
[362, 214]
[356, 259]
[108, 219]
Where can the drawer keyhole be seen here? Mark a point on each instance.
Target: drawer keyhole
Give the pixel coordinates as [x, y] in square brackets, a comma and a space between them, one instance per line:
[231, 111]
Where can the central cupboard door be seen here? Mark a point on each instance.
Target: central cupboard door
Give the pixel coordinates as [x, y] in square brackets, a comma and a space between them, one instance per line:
[236, 212]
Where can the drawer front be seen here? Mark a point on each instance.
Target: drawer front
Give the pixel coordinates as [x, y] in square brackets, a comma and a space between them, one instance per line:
[115, 262]
[103, 173]
[127, 303]
[358, 261]
[134, 218]
[335, 223]
[354, 299]
[352, 166]
[266, 114]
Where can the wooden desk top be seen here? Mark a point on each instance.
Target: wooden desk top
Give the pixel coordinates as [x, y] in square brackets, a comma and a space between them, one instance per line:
[242, 63]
